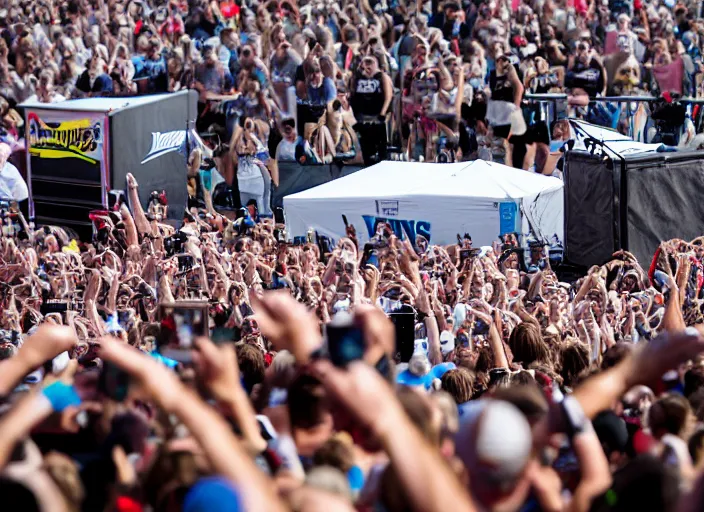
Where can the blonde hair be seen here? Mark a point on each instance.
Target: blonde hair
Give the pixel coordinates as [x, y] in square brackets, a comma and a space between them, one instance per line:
[64, 473]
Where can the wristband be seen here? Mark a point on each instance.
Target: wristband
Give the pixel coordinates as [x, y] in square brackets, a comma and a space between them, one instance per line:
[61, 396]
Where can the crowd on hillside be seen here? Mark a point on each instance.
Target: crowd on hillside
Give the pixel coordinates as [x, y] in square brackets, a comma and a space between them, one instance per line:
[394, 376]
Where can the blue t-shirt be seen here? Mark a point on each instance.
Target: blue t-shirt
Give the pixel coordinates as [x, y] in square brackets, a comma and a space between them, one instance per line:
[215, 79]
[102, 85]
[153, 70]
[323, 94]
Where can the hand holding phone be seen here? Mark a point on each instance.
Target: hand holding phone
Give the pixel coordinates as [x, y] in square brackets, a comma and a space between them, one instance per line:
[345, 340]
[181, 323]
[113, 382]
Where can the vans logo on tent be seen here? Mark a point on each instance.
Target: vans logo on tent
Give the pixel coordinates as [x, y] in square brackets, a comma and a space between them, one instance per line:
[401, 228]
[163, 143]
[385, 208]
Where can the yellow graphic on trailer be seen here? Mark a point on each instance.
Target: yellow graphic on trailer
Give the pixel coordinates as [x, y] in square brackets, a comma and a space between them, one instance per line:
[81, 138]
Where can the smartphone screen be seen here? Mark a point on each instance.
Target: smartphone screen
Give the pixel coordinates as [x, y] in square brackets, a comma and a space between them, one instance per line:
[53, 306]
[404, 325]
[344, 339]
[185, 262]
[113, 382]
[223, 335]
[181, 323]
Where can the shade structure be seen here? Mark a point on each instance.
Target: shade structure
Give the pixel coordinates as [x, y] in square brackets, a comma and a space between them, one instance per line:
[438, 201]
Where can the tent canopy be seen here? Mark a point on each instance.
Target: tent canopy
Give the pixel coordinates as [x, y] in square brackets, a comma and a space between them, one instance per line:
[478, 179]
[435, 200]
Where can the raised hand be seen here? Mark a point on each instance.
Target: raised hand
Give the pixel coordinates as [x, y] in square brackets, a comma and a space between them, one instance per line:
[662, 354]
[287, 323]
[363, 392]
[152, 380]
[217, 368]
[45, 344]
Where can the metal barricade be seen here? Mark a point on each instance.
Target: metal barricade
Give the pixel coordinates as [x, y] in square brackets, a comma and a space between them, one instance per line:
[553, 99]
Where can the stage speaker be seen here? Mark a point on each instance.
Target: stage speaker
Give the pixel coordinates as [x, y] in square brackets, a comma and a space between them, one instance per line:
[65, 194]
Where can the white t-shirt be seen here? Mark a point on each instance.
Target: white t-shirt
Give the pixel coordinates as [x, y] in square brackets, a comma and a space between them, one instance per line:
[286, 151]
[249, 176]
[55, 98]
[12, 186]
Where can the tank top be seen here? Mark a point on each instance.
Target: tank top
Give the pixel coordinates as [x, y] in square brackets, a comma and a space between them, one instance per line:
[501, 87]
[368, 98]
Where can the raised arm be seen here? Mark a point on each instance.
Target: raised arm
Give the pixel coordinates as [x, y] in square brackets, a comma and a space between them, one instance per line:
[48, 342]
[226, 455]
[140, 218]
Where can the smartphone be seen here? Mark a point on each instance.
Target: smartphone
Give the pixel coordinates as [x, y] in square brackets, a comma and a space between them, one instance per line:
[125, 319]
[393, 293]
[299, 240]
[185, 262]
[222, 335]
[113, 382]
[180, 323]
[495, 375]
[344, 220]
[325, 244]
[345, 340]
[53, 306]
[404, 320]
[280, 235]
[480, 328]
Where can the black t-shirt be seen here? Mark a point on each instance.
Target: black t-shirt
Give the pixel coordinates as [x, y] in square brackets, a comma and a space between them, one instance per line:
[300, 74]
[590, 78]
[501, 87]
[368, 96]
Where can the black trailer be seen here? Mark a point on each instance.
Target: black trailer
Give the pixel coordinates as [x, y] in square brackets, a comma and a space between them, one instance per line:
[80, 150]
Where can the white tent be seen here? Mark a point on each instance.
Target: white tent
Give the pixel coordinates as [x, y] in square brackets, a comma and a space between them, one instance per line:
[436, 200]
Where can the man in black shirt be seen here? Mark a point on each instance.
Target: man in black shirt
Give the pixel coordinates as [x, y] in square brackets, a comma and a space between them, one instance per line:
[450, 22]
[586, 72]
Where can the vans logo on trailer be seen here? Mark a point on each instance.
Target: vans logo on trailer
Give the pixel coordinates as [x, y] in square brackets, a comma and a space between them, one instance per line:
[163, 143]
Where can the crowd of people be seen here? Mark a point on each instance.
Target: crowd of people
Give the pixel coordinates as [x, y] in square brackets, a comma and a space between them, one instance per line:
[394, 376]
[357, 82]
[216, 365]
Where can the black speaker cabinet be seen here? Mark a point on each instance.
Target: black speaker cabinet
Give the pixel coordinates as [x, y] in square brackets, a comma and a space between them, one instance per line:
[630, 202]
